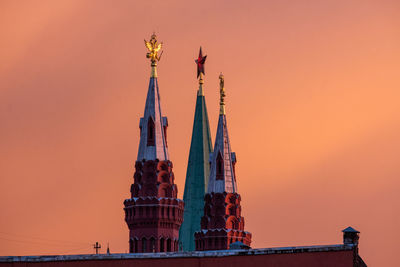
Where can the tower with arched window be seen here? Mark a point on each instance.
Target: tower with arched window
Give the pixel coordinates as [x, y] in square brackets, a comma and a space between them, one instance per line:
[153, 213]
[222, 223]
[198, 169]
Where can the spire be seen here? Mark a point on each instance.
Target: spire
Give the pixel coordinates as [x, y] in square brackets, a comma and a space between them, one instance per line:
[222, 172]
[153, 127]
[222, 224]
[154, 228]
[198, 169]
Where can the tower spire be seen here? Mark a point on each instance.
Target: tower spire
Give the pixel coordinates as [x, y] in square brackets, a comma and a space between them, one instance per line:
[222, 160]
[153, 213]
[222, 223]
[198, 168]
[153, 127]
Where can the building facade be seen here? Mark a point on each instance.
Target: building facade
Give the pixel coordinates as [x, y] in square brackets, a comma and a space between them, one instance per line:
[339, 255]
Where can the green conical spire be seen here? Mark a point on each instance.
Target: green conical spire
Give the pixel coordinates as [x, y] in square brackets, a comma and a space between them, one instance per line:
[197, 174]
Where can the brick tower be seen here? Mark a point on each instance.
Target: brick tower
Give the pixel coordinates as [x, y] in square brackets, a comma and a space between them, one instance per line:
[153, 213]
[198, 169]
[222, 223]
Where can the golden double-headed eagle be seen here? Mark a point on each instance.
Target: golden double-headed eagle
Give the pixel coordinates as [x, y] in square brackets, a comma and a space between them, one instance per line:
[221, 89]
[154, 47]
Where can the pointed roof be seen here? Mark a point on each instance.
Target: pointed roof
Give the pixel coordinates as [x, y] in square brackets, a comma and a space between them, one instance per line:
[222, 174]
[197, 175]
[198, 171]
[152, 125]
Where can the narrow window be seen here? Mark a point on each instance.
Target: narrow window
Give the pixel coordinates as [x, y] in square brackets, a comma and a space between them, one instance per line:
[220, 167]
[150, 132]
[168, 245]
[136, 246]
[165, 136]
[131, 245]
[162, 245]
[144, 244]
[153, 244]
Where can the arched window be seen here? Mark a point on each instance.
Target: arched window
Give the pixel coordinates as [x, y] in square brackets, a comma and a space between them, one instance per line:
[161, 244]
[136, 246]
[150, 132]
[131, 245]
[152, 244]
[144, 244]
[220, 167]
[168, 245]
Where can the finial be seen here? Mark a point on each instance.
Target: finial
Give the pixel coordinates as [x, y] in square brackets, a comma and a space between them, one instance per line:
[222, 95]
[154, 47]
[200, 70]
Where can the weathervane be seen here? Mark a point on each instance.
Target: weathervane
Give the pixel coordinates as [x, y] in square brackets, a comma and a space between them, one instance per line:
[154, 47]
[222, 94]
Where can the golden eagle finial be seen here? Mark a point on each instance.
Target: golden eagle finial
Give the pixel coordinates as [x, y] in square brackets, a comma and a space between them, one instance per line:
[154, 47]
[222, 94]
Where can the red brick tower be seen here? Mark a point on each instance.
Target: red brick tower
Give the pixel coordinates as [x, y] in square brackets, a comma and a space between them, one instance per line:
[153, 213]
[222, 223]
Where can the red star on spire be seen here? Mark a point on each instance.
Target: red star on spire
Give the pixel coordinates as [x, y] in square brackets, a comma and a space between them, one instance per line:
[200, 63]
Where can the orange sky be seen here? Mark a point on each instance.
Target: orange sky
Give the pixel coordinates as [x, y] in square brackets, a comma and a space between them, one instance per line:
[312, 107]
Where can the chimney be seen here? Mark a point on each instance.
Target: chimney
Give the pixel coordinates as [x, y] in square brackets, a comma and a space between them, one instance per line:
[350, 236]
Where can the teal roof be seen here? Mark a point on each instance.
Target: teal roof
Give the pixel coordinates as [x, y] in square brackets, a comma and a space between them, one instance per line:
[350, 230]
[197, 175]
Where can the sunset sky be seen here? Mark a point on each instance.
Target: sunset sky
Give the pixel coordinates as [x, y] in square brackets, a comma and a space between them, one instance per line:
[313, 92]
